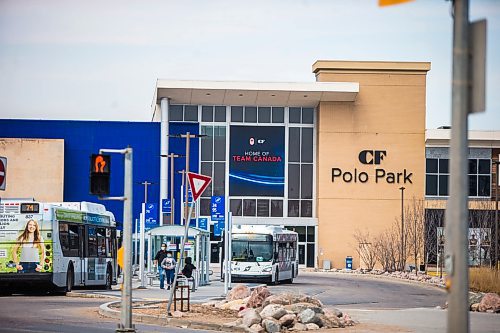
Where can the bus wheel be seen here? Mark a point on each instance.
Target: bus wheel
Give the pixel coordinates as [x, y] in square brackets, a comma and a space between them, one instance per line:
[276, 278]
[70, 279]
[109, 278]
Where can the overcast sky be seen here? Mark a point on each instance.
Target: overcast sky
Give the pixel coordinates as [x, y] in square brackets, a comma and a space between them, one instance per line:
[100, 59]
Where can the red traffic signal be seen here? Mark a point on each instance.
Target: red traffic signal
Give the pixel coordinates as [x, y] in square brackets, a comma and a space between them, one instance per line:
[100, 166]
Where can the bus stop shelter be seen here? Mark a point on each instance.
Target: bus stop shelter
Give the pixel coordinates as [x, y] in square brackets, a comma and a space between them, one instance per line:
[174, 235]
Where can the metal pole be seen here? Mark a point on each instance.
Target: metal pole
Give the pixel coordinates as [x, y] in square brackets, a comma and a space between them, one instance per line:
[136, 243]
[149, 257]
[143, 234]
[456, 260]
[226, 255]
[229, 247]
[172, 216]
[126, 303]
[402, 229]
[497, 163]
[187, 217]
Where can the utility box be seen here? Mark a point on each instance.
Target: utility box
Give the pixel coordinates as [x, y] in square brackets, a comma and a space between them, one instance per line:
[348, 262]
[327, 265]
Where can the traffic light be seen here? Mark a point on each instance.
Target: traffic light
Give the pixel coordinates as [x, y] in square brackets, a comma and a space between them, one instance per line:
[100, 166]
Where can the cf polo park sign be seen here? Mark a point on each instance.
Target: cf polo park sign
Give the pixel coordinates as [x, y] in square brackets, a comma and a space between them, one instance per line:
[378, 175]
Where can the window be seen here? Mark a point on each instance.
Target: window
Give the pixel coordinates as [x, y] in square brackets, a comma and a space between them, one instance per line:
[250, 114]
[92, 242]
[276, 208]
[235, 207]
[249, 207]
[101, 242]
[69, 239]
[438, 173]
[213, 162]
[278, 115]
[183, 113]
[208, 114]
[237, 114]
[300, 169]
[264, 114]
[262, 207]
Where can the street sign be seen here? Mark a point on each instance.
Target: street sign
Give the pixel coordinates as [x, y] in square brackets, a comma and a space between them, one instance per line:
[198, 183]
[217, 230]
[166, 206]
[151, 216]
[3, 173]
[217, 208]
[203, 223]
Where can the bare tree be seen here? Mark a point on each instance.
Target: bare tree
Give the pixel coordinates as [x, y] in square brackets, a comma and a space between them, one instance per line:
[415, 218]
[366, 248]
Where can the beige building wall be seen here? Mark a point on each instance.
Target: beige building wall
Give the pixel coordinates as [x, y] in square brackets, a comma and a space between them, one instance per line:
[388, 115]
[35, 168]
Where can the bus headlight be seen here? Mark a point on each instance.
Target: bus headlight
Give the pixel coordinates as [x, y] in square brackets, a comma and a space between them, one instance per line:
[268, 269]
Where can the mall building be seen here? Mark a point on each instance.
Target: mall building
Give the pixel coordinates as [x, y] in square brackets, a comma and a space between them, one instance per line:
[327, 158]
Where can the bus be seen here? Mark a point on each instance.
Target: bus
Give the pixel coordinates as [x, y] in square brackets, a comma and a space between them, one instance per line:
[56, 245]
[264, 254]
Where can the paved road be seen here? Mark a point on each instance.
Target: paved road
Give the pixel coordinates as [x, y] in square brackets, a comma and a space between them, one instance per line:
[364, 292]
[35, 313]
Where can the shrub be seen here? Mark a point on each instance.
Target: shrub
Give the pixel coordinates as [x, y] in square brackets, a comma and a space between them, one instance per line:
[484, 279]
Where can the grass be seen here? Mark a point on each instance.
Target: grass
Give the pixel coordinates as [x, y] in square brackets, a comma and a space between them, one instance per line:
[484, 279]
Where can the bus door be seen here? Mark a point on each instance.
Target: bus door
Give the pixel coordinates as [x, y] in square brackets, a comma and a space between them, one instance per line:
[90, 259]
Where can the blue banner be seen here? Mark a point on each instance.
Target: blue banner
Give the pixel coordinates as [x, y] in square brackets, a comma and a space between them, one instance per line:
[203, 223]
[217, 208]
[217, 230]
[166, 206]
[257, 161]
[151, 218]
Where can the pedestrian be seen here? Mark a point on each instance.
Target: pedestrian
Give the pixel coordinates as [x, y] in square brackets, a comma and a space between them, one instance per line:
[168, 265]
[188, 269]
[160, 255]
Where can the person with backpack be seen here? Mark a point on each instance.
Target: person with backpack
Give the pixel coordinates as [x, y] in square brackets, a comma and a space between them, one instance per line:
[187, 271]
[168, 265]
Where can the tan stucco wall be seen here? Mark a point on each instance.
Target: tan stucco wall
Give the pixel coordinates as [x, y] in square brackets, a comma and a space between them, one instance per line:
[35, 168]
[388, 114]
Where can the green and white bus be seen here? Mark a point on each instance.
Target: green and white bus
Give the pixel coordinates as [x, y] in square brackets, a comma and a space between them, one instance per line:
[56, 245]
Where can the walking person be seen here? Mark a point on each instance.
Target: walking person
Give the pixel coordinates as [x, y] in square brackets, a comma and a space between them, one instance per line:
[168, 264]
[160, 255]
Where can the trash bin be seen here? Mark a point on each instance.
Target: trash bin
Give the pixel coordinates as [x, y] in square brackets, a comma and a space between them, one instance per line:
[348, 262]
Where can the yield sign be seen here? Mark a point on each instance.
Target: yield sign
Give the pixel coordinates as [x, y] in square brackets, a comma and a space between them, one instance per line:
[3, 172]
[198, 184]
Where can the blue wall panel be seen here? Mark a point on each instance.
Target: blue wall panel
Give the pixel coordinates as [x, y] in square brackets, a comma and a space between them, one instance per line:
[82, 138]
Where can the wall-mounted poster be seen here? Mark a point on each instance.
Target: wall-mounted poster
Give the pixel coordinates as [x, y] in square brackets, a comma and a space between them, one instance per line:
[257, 161]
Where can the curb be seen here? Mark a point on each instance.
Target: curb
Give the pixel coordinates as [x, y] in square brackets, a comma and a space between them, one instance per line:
[88, 295]
[106, 311]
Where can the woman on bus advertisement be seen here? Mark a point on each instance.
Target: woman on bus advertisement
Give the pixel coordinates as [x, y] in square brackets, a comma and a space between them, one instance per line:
[32, 252]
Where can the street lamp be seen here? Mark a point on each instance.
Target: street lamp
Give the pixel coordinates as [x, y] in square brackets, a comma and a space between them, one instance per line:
[497, 163]
[172, 204]
[402, 228]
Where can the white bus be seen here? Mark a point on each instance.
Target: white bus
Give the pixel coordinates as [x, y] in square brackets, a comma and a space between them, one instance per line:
[56, 245]
[264, 254]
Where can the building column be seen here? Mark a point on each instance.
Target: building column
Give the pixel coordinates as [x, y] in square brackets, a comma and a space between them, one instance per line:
[165, 103]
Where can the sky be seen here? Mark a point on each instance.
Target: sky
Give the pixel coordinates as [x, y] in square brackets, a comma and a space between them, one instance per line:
[99, 60]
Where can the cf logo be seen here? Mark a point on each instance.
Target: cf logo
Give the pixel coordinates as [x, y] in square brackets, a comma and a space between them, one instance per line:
[372, 156]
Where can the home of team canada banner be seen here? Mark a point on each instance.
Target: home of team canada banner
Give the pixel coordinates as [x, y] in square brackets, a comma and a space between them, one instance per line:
[372, 157]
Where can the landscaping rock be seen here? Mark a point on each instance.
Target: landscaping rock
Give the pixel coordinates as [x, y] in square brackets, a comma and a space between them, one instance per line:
[271, 325]
[299, 307]
[299, 327]
[475, 298]
[275, 311]
[239, 291]
[257, 297]
[236, 305]
[251, 317]
[307, 316]
[287, 320]
[474, 307]
[312, 327]
[257, 328]
[290, 298]
[328, 322]
[490, 301]
[333, 312]
[241, 314]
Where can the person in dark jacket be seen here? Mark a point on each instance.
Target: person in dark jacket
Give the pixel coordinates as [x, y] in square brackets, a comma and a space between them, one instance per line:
[162, 254]
[187, 271]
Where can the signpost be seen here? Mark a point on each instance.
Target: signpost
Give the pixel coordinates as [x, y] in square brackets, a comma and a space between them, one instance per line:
[217, 208]
[198, 183]
[151, 215]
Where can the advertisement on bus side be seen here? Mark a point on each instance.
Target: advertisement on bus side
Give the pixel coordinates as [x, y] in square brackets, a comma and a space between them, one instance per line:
[25, 244]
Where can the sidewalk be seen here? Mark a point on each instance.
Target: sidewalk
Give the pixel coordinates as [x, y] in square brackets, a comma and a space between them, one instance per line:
[213, 291]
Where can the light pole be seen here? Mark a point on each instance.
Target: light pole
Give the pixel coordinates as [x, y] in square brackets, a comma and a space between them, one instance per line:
[172, 204]
[142, 247]
[402, 229]
[497, 163]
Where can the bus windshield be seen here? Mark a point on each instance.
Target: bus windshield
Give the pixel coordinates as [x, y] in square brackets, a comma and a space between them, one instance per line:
[252, 247]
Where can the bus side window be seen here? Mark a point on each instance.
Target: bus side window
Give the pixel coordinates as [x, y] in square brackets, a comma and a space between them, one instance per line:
[91, 242]
[101, 242]
[64, 238]
[74, 241]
